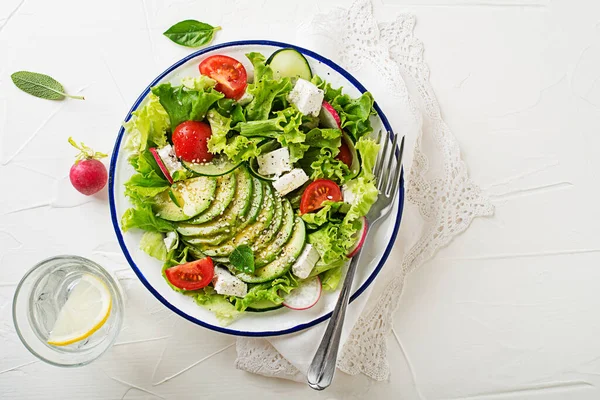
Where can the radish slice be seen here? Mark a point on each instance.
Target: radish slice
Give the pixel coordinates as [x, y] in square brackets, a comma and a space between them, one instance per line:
[360, 235]
[304, 296]
[329, 117]
[161, 165]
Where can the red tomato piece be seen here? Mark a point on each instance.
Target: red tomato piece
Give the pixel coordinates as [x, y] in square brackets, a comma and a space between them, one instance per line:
[345, 155]
[318, 192]
[190, 140]
[229, 73]
[193, 275]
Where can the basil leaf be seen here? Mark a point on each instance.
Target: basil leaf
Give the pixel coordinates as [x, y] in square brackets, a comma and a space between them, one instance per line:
[191, 33]
[40, 85]
[242, 258]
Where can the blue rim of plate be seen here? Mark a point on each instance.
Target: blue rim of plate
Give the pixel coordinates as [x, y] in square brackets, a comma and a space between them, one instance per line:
[115, 220]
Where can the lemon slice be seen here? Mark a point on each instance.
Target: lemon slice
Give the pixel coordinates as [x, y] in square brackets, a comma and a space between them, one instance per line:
[85, 311]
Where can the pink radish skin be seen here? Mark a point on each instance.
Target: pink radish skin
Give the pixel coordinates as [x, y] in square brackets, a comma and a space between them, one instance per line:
[88, 176]
[161, 165]
[316, 300]
[362, 234]
[329, 117]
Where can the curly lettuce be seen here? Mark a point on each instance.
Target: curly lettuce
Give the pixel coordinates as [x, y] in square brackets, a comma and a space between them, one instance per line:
[183, 104]
[142, 217]
[149, 180]
[237, 148]
[147, 126]
[268, 291]
[152, 244]
[265, 89]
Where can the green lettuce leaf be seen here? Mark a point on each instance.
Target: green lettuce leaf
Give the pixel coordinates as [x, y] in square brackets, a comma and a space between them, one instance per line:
[330, 279]
[264, 89]
[149, 180]
[269, 291]
[147, 127]
[200, 83]
[218, 304]
[237, 148]
[355, 113]
[321, 267]
[152, 244]
[146, 186]
[365, 195]
[144, 218]
[184, 105]
[368, 150]
[285, 127]
[321, 163]
[231, 109]
[220, 126]
[326, 214]
[241, 148]
[331, 242]
[330, 93]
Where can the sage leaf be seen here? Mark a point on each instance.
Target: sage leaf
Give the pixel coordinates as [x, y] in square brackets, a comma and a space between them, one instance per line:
[191, 33]
[40, 85]
[242, 258]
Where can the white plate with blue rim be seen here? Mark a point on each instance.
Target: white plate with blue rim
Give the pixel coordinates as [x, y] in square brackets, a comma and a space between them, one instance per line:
[270, 323]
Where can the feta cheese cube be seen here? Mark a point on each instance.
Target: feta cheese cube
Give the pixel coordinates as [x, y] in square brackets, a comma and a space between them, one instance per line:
[274, 163]
[170, 241]
[168, 157]
[349, 196]
[290, 181]
[306, 262]
[227, 284]
[307, 97]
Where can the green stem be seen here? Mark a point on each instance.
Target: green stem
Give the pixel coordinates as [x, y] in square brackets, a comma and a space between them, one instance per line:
[74, 97]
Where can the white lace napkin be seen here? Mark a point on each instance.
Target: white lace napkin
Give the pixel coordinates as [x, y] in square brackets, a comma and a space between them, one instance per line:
[441, 200]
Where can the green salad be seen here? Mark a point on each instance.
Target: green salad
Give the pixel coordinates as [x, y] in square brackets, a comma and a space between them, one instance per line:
[251, 186]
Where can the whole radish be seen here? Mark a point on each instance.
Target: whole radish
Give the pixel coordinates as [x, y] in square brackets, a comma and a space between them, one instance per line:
[87, 175]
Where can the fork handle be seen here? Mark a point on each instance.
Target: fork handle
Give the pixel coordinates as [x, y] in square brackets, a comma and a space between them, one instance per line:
[321, 370]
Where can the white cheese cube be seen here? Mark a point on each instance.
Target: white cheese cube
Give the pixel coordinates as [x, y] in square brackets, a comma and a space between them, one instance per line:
[227, 284]
[306, 262]
[290, 181]
[274, 163]
[168, 157]
[349, 196]
[170, 241]
[307, 97]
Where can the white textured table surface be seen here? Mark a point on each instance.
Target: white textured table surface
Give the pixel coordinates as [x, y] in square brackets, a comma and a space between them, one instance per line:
[507, 311]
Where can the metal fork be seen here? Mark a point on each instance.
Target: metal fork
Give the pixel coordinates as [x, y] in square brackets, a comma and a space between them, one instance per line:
[387, 171]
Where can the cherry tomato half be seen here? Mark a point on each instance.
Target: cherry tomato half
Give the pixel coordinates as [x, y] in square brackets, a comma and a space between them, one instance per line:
[317, 192]
[190, 140]
[193, 275]
[229, 73]
[345, 155]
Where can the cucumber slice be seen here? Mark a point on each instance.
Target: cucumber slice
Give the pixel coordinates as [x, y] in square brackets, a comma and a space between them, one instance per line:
[223, 197]
[237, 210]
[271, 250]
[213, 240]
[220, 165]
[355, 167]
[273, 228]
[257, 202]
[289, 63]
[193, 195]
[284, 261]
[263, 305]
[249, 234]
